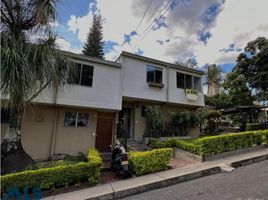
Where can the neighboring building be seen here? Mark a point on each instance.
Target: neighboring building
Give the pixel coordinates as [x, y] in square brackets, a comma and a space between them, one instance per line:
[85, 113]
[213, 89]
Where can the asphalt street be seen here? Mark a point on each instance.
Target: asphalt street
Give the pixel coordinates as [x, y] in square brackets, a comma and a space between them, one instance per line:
[244, 183]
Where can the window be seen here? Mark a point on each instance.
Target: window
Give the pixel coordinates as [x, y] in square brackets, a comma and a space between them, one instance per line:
[180, 80]
[143, 111]
[154, 74]
[197, 83]
[75, 119]
[186, 81]
[84, 75]
[4, 115]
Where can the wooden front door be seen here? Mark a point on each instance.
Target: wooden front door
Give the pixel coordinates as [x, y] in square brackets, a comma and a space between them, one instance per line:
[104, 134]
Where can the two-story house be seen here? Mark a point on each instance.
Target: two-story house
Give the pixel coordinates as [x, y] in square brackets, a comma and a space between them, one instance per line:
[85, 112]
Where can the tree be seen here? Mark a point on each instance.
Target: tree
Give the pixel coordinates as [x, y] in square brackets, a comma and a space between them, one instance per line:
[94, 44]
[218, 100]
[30, 63]
[238, 93]
[253, 63]
[213, 79]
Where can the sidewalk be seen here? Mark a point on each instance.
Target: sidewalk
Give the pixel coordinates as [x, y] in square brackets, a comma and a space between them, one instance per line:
[144, 183]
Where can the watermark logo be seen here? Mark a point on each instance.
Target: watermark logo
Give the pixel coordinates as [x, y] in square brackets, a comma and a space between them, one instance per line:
[15, 193]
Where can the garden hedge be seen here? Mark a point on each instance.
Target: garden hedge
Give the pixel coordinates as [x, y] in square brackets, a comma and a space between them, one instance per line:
[228, 142]
[211, 145]
[149, 161]
[53, 177]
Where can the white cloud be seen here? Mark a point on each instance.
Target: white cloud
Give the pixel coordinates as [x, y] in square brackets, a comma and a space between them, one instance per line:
[238, 22]
[65, 45]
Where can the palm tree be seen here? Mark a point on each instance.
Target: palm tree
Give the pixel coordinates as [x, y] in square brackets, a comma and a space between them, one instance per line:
[30, 62]
[213, 79]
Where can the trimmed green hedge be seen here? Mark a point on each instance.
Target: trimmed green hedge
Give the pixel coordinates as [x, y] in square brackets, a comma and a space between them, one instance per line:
[149, 161]
[211, 145]
[228, 142]
[59, 176]
[157, 144]
[188, 146]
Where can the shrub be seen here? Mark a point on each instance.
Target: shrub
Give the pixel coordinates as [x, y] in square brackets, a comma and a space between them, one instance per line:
[93, 156]
[228, 142]
[182, 121]
[188, 146]
[79, 158]
[264, 136]
[172, 142]
[154, 122]
[149, 161]
[211, 145]
[156, 144]
[58, 176]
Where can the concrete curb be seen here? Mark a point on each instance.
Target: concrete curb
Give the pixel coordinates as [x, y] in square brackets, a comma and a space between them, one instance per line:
[128, 187]
[249, 161]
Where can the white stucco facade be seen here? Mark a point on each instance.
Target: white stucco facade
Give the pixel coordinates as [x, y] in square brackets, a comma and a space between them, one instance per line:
[134, 81]
[135, 85]
[105, 92]
[126, 78]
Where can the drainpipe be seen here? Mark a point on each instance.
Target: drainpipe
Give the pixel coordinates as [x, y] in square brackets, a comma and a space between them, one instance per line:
[55, 123]
[168, 83]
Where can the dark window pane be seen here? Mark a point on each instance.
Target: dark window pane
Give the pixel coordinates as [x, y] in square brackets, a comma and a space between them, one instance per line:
[180, 80]
[143, 111]
[150, 74]
[4, 115]
[197, 83]
[75, 79]
[158, 76]
[82, 119]
[69, 119]
[188, 81]
[87, 75]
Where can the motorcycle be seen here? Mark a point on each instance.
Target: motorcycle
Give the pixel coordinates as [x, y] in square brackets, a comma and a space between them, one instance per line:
[120, 160]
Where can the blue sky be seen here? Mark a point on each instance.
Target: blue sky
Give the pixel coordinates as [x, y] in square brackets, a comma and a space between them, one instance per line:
[209, 31]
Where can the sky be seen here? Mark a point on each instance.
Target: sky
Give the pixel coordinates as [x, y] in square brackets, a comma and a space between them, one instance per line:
[205, 31]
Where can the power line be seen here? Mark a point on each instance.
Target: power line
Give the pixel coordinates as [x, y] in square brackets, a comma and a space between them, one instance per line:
[151, 25]
[159, 14]
[150, 18]
[148, 7]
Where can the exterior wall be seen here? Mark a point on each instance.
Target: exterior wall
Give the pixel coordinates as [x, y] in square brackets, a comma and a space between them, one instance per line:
[47, 96]
[139, 123]
[177, 95]
[40, 123]
[105, 92]
[135, 84]
[71, 140]
[37, 130]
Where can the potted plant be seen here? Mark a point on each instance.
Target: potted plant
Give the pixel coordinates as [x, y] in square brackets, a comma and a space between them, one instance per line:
[191, 94]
